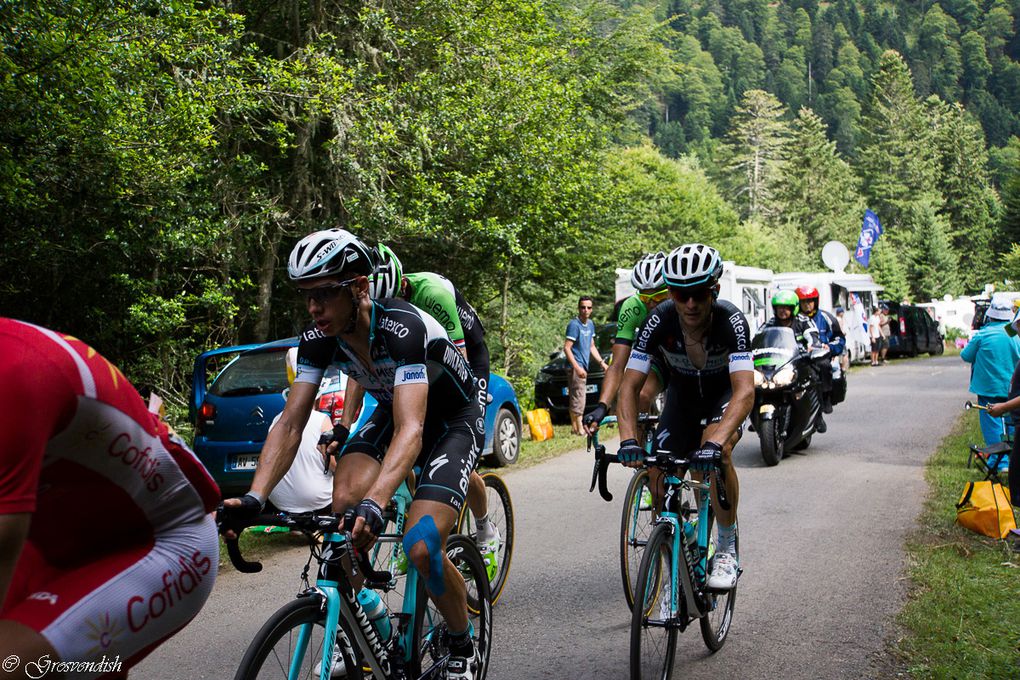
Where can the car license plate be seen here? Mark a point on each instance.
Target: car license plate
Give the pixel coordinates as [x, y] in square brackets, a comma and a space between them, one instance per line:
[590, 389]
[244, 461]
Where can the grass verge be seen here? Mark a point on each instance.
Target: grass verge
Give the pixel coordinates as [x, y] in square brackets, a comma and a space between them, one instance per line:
[533, 453]
[962, 617]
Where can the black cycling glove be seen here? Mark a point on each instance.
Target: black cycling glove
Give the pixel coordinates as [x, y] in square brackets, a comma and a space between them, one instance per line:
[596, 414]
[631, 451]
[707, 457]
[370, 511]
[338, 435]
[238, 519]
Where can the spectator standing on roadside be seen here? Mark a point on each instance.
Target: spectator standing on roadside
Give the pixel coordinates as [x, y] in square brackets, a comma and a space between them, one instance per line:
[1012, 406]
[579, 348]
[875, 335]
[844, 358]
[883, 312]
[993, 355]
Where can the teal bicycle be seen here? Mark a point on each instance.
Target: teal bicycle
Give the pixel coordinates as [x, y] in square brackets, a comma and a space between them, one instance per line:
[671, 590]
[329, 620]
[638, 516]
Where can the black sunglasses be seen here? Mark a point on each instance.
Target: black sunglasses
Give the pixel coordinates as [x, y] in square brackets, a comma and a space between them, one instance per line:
[683, 295]
[323, 294]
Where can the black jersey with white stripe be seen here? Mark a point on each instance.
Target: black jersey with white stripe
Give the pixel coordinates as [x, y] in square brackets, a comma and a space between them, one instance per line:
[727, 349]
[406, 346]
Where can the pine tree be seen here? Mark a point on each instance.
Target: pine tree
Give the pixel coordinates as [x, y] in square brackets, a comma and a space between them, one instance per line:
[971, 204]
[818, 191]
[933, 268]
[755, 151]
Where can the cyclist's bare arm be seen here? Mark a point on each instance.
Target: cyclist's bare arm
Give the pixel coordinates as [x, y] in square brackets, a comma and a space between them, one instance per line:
[627, 403]
[614, 376]
[283, 440]
[354, 395]
[742, 384]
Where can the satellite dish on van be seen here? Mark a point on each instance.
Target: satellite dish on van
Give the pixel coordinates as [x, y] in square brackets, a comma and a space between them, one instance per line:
[835, 256]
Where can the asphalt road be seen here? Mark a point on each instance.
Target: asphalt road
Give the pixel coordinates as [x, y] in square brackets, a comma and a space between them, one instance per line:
[821, 540]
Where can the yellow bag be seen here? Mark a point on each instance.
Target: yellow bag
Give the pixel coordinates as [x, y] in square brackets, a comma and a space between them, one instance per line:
[540, 424]
[984, 507]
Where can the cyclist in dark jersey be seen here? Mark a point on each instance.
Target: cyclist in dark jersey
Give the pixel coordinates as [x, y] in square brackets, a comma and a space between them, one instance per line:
[438, 296]
[650, 287]
[703, 343]
[428, 415]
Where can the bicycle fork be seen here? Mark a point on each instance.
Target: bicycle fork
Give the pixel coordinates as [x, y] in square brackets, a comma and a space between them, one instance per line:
[693, 570]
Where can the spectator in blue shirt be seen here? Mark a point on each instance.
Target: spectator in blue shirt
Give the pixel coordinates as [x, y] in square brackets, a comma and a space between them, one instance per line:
[993, 354]
[579, 348]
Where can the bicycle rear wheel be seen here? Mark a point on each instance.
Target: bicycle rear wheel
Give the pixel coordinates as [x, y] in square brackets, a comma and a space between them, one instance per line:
[292, 637]
[652, 640]
[429, 648]
[715, 624]
[635, 528]
[501, 514]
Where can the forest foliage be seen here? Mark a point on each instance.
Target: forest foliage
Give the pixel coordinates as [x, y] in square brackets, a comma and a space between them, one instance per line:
[159, 159]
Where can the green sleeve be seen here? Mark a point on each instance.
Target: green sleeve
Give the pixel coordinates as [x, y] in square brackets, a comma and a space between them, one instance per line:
[435, 295]
[632, 315]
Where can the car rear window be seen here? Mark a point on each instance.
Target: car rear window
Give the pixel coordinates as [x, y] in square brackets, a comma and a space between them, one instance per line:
[259, 373]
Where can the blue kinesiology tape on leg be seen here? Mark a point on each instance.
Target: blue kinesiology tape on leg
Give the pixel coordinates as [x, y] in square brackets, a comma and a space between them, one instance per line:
[425, 530]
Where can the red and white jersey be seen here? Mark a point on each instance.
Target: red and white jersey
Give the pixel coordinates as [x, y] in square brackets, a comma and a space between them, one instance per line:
[79, 449]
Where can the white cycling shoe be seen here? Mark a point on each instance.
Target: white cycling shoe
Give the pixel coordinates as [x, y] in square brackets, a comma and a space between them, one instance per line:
[462, 668]
[724, 572]
[337, 668]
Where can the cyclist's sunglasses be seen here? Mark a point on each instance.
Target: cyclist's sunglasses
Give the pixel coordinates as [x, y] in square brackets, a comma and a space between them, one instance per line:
[323, 294]
[682, 295]
[652, 295]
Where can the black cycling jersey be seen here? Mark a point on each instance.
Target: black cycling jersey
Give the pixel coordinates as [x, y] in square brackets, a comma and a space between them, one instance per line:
[726, 347]
[406, 346]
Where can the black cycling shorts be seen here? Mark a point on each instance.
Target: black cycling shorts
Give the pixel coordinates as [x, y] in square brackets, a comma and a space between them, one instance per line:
[449, 451]
[682, 423]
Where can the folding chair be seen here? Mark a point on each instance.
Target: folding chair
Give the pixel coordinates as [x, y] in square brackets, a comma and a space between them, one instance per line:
[988, 458]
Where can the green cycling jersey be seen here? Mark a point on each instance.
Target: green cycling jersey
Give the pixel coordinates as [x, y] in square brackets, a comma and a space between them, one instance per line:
[632, 314]
[436, 295]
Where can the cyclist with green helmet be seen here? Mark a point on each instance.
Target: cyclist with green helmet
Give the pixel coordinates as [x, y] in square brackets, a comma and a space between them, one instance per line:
[650, 290]
[437, 296]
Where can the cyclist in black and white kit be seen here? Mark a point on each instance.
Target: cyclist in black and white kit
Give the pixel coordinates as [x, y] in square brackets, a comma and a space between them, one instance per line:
[704, 343]
[428, 414]
[438, 296]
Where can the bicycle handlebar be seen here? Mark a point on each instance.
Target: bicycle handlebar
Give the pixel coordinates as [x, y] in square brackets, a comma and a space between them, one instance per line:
[308, 523]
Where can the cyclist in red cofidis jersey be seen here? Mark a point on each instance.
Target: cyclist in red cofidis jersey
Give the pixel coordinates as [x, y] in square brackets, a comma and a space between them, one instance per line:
[107, 542]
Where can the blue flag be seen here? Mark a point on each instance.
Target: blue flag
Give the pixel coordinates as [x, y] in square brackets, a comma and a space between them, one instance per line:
[870, 231]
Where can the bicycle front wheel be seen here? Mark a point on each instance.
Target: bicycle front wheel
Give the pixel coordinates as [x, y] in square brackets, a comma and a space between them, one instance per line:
[501, 514]
[291, 644]
[429, 649]
[635, 528]
[715, 624]
[652, 631]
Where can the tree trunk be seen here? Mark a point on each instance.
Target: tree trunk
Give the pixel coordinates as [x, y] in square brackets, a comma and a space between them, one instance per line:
[504, 317]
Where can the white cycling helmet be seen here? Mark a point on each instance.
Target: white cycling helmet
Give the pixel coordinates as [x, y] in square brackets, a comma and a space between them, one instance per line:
[385, 282]
[693, 266]
[332, 251]
[647, 273]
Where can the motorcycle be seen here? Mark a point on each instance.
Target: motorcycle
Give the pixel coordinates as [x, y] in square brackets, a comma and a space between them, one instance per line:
[786, 397]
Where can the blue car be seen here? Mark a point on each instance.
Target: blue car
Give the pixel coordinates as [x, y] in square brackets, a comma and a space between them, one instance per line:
[237, 392]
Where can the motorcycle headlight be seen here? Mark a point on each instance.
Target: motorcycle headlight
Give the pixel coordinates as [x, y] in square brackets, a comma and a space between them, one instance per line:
[759, 378]
[784, 376]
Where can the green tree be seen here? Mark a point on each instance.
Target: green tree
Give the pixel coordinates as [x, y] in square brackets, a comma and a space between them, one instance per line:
[754, 151]
[933, 266]
[817, 193]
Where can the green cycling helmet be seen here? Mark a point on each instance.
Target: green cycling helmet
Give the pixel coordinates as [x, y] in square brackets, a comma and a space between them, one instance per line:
[786, 298]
